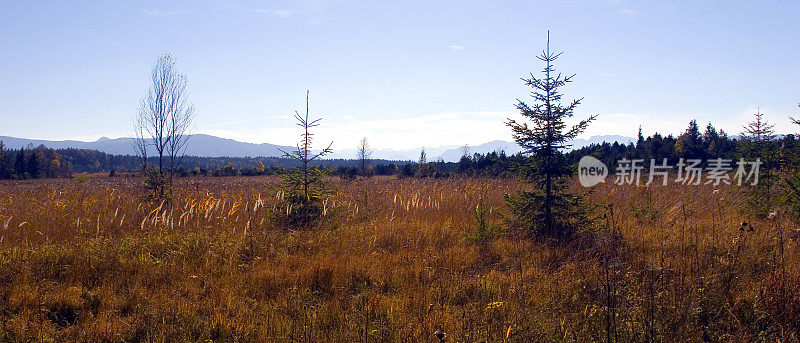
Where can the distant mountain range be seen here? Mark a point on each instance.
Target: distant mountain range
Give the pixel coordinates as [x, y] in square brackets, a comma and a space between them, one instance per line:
[199, 145]
[412, 154]
[212, 146]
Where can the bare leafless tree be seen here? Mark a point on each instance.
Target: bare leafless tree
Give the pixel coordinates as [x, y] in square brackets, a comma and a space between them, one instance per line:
[465, 150]
[162, 124]
[364, 153]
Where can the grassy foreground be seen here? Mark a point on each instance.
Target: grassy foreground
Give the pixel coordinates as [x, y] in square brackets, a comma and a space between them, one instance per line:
[397, 260]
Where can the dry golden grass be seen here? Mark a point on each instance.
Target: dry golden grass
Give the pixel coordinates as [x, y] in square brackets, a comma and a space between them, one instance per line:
[88, 261]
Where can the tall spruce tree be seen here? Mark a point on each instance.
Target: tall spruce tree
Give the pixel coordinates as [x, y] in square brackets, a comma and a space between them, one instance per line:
[19, 163]
[757, 140]
[757, 143]
[550, 210]
[6, 165]
[759, 130]
[710, 141]
[792, 191]
[32, 166]
[692, 142]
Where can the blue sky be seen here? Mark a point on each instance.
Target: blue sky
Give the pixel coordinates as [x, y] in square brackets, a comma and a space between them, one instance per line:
[402, 73]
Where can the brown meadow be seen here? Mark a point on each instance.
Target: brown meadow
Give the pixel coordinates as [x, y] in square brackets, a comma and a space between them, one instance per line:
[396, 260]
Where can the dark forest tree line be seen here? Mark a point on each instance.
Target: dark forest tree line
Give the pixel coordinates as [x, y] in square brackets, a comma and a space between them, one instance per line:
[705, 144]
[32, 163]
[15, 163]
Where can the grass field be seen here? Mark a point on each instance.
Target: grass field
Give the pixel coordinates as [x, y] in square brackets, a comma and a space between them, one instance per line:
[396, 260]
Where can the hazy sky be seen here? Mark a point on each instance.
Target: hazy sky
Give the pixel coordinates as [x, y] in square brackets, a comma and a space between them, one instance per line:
[402, 73]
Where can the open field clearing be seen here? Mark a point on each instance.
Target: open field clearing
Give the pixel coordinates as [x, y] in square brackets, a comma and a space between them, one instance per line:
[396, 260]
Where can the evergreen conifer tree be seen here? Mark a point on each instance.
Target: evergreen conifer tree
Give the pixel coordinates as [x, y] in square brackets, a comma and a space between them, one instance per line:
[6, 165]
[550, 210]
